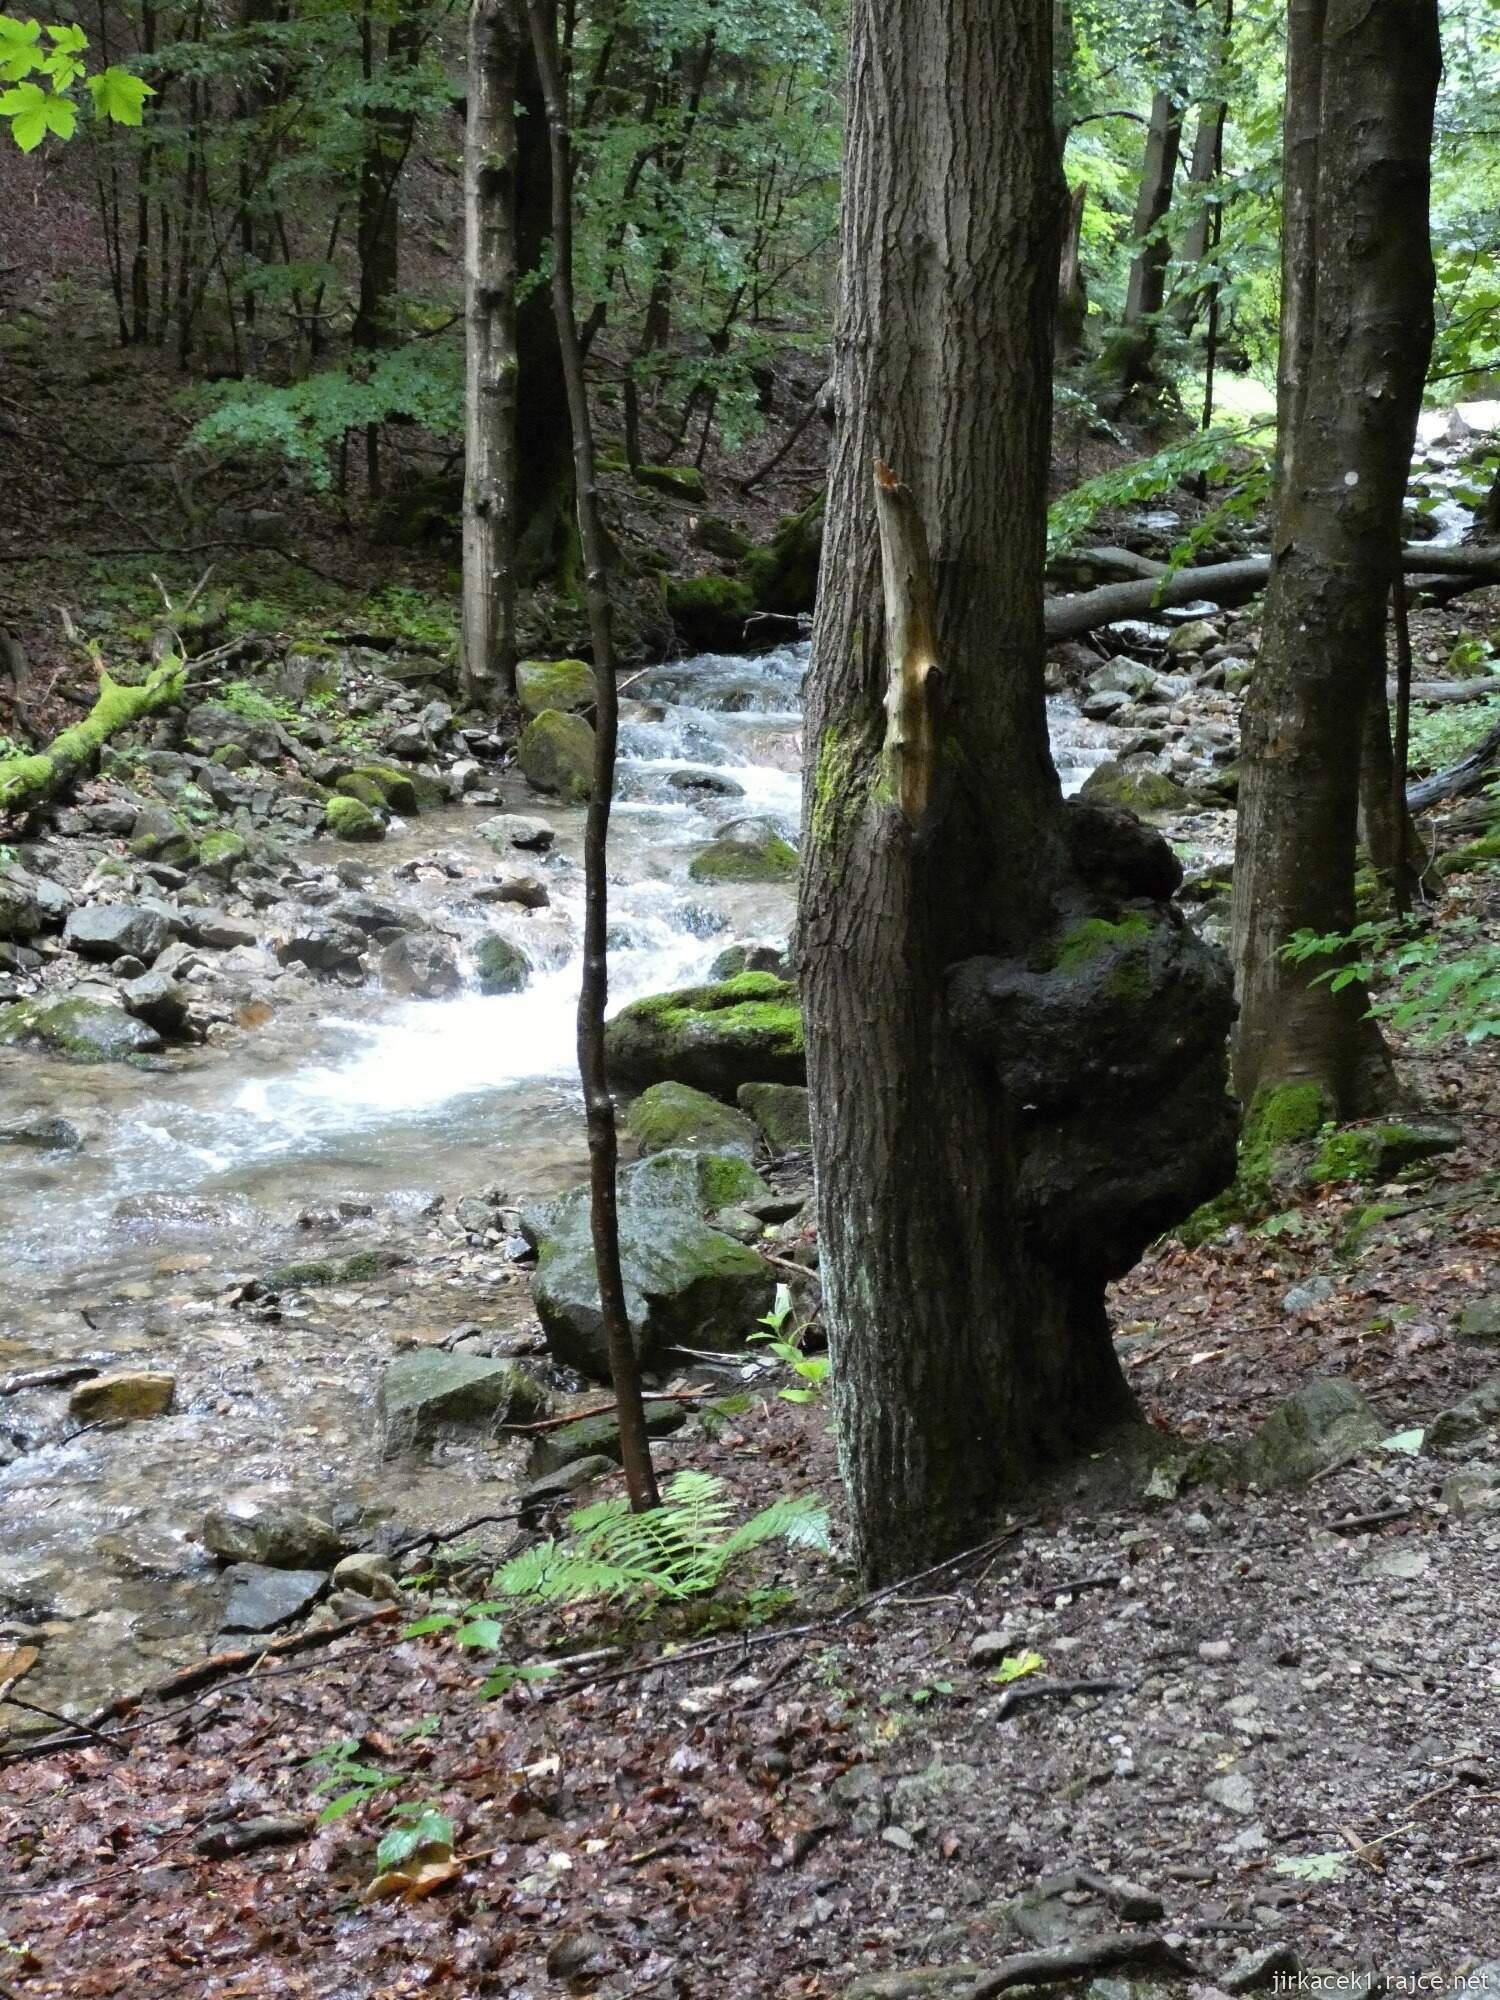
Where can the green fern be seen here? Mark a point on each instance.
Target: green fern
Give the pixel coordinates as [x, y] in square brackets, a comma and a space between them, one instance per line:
[681, 1549]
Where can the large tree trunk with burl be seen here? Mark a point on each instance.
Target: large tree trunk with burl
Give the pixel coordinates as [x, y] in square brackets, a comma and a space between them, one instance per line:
[1015, 1049]
[1356, 333]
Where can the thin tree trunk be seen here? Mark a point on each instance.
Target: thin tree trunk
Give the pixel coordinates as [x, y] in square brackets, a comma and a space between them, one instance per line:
[489, 573]
[544, 469]
[1356, 310]
[963, 1262]
[1205, 227]
[624, 1364]
[390, 129]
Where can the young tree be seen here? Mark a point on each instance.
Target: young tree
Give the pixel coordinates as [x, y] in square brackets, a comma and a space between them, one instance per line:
[1356, 331]
[995, 988]
[489, 570]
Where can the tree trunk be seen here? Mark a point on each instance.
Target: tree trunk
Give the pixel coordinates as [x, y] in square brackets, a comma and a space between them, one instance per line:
[970, 1213]
[1356, 333]
[489, 573]
[1072, 295]
[389, 130]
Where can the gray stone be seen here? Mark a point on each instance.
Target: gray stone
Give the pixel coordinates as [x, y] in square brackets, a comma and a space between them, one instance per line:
[523, 890]
[1468, 1422]
[428, 1391]
[749, 850]
[216, 930]
[420, 967]
[556, 754]
[1472, 1492]
[1262, 1967]
[1104, 703]
[1194, 638]
[1315, 1292]
[1480, 1322]
[685, 1282]
[506, 830]
[781, 1110]
[587, 1439]
[45, 1135]
[157, 999]
[1325, 1423]
[920, 1982]
[368, 1574]
[20, 912]
[552, 1487]
[273, 1534]
[260, 1599]
[110, 930]
[212, 724]
[1234, 1792]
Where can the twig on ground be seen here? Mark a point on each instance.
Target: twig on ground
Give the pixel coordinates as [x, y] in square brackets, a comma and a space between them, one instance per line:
[1115, 1953]
[1020, 1693]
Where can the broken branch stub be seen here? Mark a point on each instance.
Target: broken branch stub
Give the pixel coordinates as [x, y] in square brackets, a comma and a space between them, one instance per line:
[911, 647]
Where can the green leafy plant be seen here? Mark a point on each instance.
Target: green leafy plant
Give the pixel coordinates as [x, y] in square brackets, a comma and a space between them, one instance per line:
[352, 1781]
[1442, 983]
[41, 65]
[1016, 1666]
[1212, 455]
[782, 1333]
[418, 1831]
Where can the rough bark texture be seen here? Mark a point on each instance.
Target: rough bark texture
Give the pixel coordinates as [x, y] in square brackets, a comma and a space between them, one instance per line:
[593, 998]
[489, 592]
[544, 499]
[966, 942]
[1356, 333]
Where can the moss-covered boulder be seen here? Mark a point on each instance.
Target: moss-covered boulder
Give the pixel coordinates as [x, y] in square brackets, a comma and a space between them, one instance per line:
[556, 755]
[748, 851]
[350, 819]
[564, 685]
[674, 1114]
[501, 965]
[1325, 1423]
[709, 612]
[1137, 787]
[681, 482]
[1479, 853]
[742, 1030]
[80, 1029]
[783, 576]
[381, 786]
[686, 1283]
[719, 537]
[223, 853]
[593, 1444]
[781, 1111]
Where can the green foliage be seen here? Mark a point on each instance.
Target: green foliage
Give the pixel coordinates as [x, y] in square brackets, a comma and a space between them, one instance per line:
[1445, 734]
[41, 65]
[1443, 983]
[682, 1549]
[353, 1782]
[418, 1831]
[1212, 454]
[784, 1335]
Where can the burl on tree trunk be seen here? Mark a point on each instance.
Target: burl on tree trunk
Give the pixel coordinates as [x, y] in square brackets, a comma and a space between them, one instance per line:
[1015, 1045]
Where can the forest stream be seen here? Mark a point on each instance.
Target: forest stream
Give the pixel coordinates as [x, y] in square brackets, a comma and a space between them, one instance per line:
[343, 1118]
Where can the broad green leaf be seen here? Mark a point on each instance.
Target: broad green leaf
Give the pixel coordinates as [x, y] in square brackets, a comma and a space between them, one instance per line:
[119, 96]
[1016, 1666]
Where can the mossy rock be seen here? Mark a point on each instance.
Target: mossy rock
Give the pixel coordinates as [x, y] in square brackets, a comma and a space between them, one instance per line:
[710, 611]
[742, 1030]
[1283, 1119]
[81, 1030]
[564, 685]
[686, 1283]
[349, 819]
[682, 482]
[720, 538]
[362, 1267]
[222, 852]
[381, 785]
[1325, 1423]
[782, 1111]
[674, 1114]
[599, 1437]
[783, 577]
[501, 965]
[426, 1393]
[1140, 790]
[556, 755]
[1376, 1152]
[1477, 854]
[751, 852]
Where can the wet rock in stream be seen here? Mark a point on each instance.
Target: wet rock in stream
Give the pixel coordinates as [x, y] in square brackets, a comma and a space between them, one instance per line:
[425, 1393]
[273, 1534]
[261, 1599]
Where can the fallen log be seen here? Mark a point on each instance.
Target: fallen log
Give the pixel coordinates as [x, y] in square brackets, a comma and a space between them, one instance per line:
[1233, 582]
[30, 780]
[1431, 692]
[1469, 774]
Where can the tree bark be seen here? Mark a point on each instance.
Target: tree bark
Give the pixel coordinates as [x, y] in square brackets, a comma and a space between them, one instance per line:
[389, 129]
[544, 474]
[964, 1244]
[593, 998]
[489, 562]
[1356, 333]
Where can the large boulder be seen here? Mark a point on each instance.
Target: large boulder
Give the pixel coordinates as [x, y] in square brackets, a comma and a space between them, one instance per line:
[750, 850]
[351, 819]
[675, 1115]
[1138, 787]
[277, 1534]
[82, 1030]
[213, 724]
[742, 1030]
[1325, 1423]
[564, 685]
[507, 830]
[380, 785]
[118, 930]
[556, 754]
[427, 1392]
[20, 912]
[781, 1111]
[685, 1281]
[501, 965]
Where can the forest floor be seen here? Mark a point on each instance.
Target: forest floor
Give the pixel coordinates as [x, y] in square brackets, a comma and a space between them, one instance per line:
[1291, 1759]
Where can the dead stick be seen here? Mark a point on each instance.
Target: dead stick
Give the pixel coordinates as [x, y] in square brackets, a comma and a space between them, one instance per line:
[1072, 1961]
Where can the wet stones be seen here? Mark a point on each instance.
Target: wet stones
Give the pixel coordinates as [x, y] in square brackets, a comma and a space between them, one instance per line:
[125, 1396]
[42, 1135]
[556, 755]
[80, 1028]
[260, 1599]
[748, 851]
[423, 1393]
[501, 965]
[108, 931]
[273, 1534]
[420, 966]
[517, 830]
[674, 1114]
[747, 1029]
